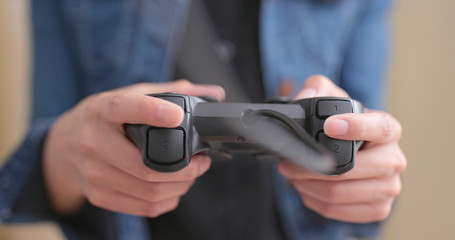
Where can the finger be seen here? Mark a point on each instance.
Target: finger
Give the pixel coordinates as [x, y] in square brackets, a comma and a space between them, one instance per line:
[181, 86]
[109, 177]
[374, 126]
[119, 202]
[114, 148]
[358, 213]
[350, 192]
[320, 86]
[128, 107]
[376, 162]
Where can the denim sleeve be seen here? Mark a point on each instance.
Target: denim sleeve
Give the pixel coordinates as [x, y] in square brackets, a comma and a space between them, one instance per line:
[362, 76]
[23, 171]
[22, 192]
[364, 67]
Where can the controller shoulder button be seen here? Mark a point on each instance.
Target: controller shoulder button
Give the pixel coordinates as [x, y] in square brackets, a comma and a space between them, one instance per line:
[326, 108]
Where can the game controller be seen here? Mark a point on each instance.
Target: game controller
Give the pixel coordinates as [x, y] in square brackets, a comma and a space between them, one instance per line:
[291, 131]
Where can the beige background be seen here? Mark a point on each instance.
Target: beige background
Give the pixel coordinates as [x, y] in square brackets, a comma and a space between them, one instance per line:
[422, 79]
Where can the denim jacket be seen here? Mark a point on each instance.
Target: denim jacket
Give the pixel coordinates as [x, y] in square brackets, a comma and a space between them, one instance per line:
[87, 46]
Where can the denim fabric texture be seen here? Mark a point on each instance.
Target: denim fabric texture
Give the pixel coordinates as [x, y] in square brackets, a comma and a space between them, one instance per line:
[87, 46]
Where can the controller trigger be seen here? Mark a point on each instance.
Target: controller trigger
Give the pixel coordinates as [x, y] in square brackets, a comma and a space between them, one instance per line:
[278, 100]
[209, 99]
[220, 154]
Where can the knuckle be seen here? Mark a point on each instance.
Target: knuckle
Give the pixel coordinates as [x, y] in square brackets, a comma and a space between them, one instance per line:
[387, 128]
[146, 174]
[319, 78]
[114, 102]
[361, 128]
[333, 193]
[382, 211]
[85, 148]
[143, 108]
[94, 196]
[299, 186]
[324, 209]
[152, 211]
[327, 210]
[153, 192]
[142, 86]
[401, 162]
[317, 81]
[182, 84]
[191, 172]
[88, 171]
[398, 129]
[174, 204]
[90, 104]
[395, 188]
[142, 172]
[85, 144]
[155, 210]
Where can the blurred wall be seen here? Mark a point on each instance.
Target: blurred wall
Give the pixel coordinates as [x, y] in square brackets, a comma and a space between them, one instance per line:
[14, 101]
[421, 85]
[14, 72]
[421, 91]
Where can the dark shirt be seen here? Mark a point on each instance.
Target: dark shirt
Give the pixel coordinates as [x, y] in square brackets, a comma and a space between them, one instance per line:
[237, 22]
[248, 212]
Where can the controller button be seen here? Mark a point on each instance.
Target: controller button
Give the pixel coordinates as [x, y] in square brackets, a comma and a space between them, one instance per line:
[166, 146]
[340, 148]
[326, 108]
[177, 100]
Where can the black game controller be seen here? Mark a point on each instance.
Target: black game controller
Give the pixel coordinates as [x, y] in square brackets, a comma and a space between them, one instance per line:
[292, 131]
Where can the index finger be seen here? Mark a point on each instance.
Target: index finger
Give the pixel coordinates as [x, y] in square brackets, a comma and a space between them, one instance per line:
[181, 86]
[129, 107]
[373, 126]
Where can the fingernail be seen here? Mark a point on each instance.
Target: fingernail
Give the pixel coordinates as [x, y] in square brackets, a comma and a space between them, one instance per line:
[336, 127]
[307, 93]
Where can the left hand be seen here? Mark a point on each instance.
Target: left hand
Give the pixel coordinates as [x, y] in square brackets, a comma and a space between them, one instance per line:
[366, 193]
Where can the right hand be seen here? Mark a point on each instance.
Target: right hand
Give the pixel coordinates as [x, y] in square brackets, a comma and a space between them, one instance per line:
[87, 156]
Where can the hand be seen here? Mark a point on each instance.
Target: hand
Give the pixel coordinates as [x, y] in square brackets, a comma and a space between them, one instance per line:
[366, 193]
[87, 156]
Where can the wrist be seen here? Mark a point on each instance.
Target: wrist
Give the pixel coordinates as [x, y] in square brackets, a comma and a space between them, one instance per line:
[63, 189]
